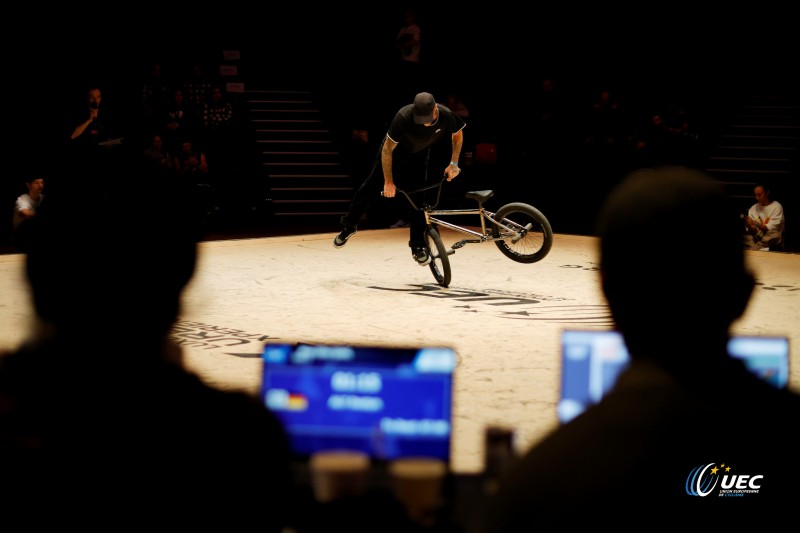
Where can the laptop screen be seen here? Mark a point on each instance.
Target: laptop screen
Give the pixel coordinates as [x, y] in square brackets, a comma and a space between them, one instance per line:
[592, 360]
[386, 402]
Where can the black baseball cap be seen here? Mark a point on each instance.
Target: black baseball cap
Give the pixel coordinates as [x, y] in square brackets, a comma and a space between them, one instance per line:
[423, 108]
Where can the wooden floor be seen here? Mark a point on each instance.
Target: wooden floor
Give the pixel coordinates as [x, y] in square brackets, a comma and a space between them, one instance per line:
[503, 318]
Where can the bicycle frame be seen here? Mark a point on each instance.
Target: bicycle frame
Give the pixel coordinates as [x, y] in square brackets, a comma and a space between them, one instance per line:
[432, 213]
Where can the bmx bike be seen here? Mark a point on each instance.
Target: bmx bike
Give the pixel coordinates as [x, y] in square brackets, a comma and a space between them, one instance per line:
[519, 230]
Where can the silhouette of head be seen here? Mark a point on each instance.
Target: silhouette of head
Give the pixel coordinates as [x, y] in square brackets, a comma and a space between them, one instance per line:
[671, 256]
[115, 258]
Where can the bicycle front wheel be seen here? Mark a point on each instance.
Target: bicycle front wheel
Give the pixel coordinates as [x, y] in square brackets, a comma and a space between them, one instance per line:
[528, 237]
[440, 262]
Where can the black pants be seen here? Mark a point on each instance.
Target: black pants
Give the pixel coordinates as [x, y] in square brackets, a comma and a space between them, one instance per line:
[23, 236]
[410, 172]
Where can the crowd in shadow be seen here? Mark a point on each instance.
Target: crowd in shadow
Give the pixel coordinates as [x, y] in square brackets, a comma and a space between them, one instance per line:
[180, 113]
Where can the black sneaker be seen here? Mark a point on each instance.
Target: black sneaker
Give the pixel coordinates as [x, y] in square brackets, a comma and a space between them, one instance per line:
[421, 256]
[341, 239]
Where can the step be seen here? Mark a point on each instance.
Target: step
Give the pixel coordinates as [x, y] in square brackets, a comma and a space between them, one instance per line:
[293, 162]
[311, 210]
[766, 121]
[287, 135]
[759, 130]
[743, 150]
[263, 93]
[762, 140]
[313, 198]
[268, 127]
[293, 145]
[289, 182]
[278, 165]
[776, 164]
[760, 173]
[281, 102]
[783, 106]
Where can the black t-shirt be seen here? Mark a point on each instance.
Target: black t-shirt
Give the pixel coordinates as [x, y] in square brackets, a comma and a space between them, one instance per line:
[94, 133]
[413, 138]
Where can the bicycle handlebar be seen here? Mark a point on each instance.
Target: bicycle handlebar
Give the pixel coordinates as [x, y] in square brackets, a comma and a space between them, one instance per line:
[408, 194]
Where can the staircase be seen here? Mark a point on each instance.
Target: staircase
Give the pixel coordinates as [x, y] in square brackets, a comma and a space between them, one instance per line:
[306, 180]
[760, 142]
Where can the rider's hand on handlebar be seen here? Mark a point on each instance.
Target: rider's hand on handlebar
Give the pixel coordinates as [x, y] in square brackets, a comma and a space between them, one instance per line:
[451, 172]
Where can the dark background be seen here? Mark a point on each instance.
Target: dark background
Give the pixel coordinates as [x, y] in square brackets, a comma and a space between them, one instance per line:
[493, 55]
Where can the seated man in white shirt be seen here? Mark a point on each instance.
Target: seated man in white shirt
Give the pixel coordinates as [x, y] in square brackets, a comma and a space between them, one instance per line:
[25, 209]
[764, 222]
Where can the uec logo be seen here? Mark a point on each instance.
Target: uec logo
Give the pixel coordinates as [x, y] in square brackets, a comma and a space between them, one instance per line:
[702, 481]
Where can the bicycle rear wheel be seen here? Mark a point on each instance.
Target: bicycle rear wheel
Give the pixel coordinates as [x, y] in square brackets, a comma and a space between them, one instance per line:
[440, 262]
[530, 237]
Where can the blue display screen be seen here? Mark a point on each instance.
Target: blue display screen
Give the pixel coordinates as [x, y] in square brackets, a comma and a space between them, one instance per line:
[386, 402]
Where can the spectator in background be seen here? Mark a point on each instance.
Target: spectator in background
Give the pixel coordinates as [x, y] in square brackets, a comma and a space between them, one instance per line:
[155, 96]
[409, 78]
[454, 104]
[555, 136]
[25, 209]
[197, 89]
[191, 165]
[218, 128]
[217, 112]
[177, 121]
[91, 128]
[652, 143]
[409, 38]
[99, 418]
[684, 419]
[764, 222]
[607, 144]
[665, 138]
[191, 162]
[157, 152]
[607, 123]
[551, 104]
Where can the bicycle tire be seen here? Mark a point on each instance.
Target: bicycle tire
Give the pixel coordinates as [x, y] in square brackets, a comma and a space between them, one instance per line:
[440, 261]
[537, 241]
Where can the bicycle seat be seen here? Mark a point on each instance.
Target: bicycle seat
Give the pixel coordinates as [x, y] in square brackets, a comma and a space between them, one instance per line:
[480, 196]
